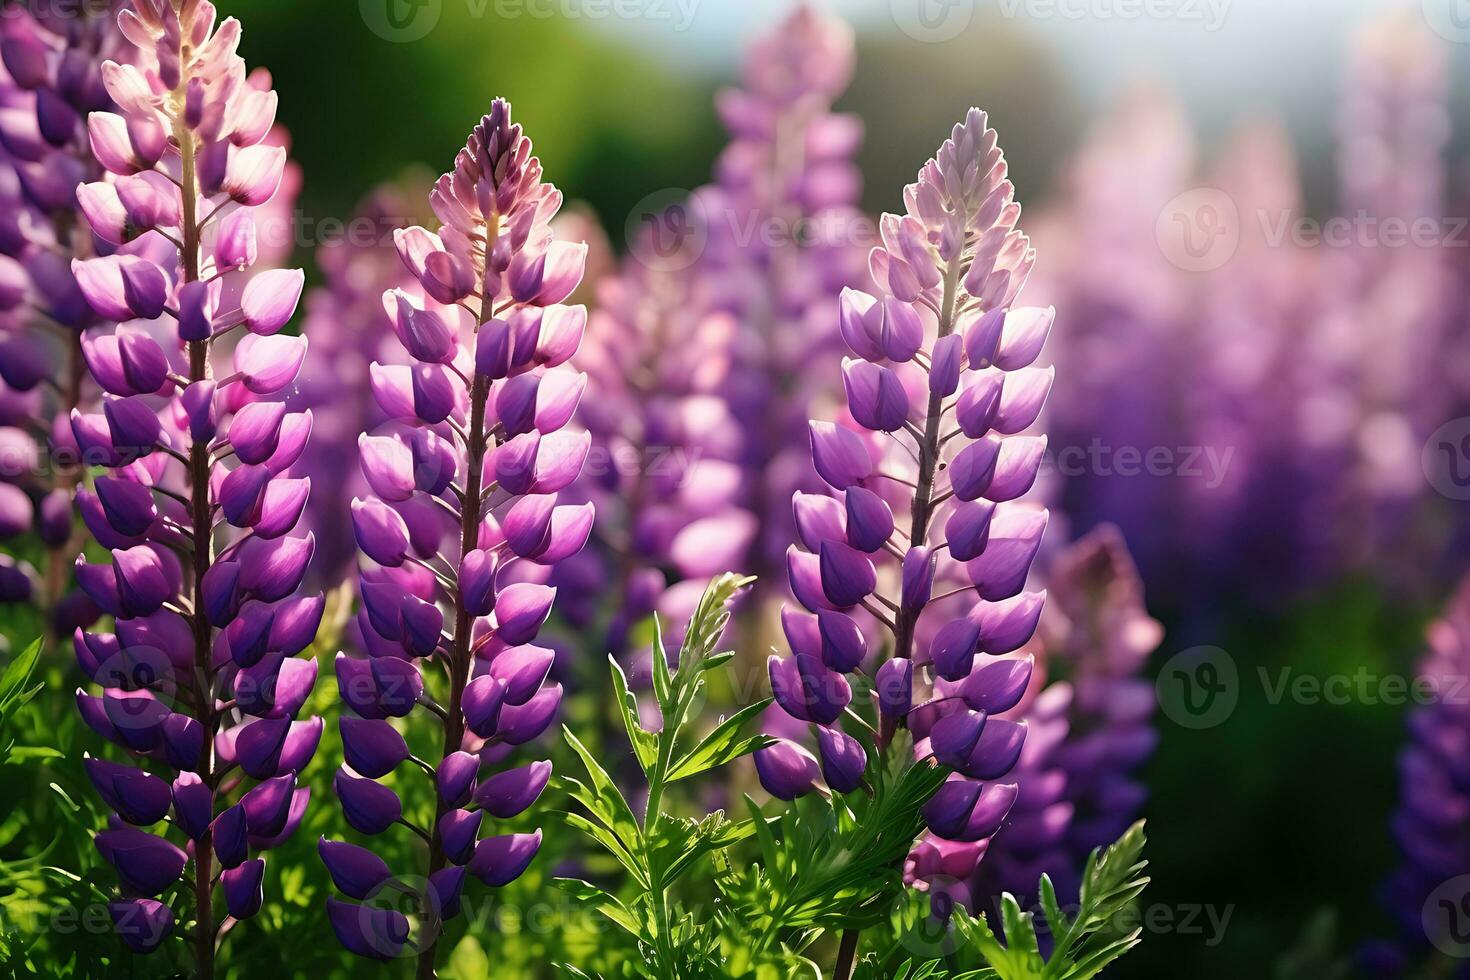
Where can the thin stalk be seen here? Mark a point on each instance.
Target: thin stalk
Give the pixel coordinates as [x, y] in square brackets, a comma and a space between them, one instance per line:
[919, 516]
[203, 540]
[460, 654]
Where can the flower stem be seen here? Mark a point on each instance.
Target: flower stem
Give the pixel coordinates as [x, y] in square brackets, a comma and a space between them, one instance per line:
[460, 655]
[200, 517]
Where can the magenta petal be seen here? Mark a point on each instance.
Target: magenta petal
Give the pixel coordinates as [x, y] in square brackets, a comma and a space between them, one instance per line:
[1025, 332]
[356, 871]
[819, 518]
[843, 759]
[381, 533]
[974, 467]
[268, 364]
[142, 923]
[998, 685]
[510, 793]
[270, 298]
[1007, 625]
[869, 519]
[253, 173]
[848, 575]
[520, 609]
[236, 246]
[1015, 537]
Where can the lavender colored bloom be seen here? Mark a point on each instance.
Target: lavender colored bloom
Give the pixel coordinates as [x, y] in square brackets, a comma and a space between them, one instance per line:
[51, 80]
[349, 330]
[198, 676]
[1086, 705]
[942, 324]
[668, 452]
[461, 531]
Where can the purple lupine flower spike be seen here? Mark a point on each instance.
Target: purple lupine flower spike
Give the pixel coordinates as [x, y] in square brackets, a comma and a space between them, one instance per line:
[50, 82]
[1429, 823]
[349, 330]
[200, 677]
[1088, 731]
[461, 531]
[934, 446]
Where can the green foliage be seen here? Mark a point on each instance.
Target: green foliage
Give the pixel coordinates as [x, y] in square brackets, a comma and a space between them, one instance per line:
[15, 694]
[831, 863]
[656, 852]
[1085, 943]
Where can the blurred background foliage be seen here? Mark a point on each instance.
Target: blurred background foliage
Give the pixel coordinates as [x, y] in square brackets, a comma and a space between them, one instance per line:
[1278, 817]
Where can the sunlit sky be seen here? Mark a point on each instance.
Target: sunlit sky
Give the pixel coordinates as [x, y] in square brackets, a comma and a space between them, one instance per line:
[1222, 55]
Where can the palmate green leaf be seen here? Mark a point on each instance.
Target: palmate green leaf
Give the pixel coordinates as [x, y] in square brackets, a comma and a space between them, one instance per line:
[723, 745]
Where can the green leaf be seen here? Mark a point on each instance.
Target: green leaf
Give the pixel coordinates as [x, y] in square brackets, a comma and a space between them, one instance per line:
[645, 743]
[627, 858]
[607, 802]
[468, 961]
[16, 674]
[590, 896]
[722, 745]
